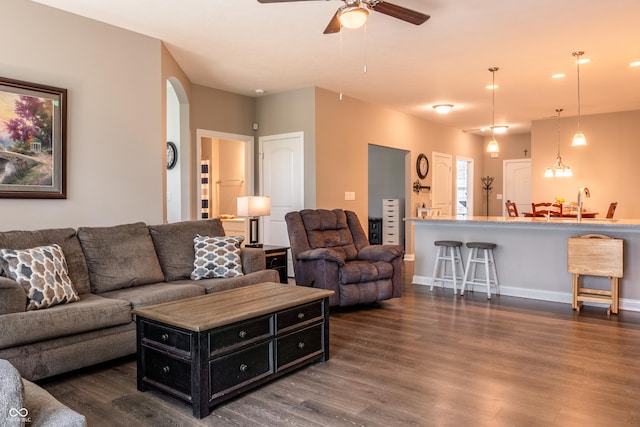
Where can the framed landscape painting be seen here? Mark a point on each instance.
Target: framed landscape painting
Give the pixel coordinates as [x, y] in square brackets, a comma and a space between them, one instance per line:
[32, 140]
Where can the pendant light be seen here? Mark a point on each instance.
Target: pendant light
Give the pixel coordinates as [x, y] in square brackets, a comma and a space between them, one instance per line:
[493, 146]
[578, 139]
[558, 169]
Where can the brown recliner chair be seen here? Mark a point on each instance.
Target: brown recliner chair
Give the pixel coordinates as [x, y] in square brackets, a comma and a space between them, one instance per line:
[330, 251]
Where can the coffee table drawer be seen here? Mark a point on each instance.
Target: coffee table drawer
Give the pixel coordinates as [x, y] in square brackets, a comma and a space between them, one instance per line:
[237, 334]
[241, 368]
[299, 345]
[297, 315]
[166, 336]
[163, 369]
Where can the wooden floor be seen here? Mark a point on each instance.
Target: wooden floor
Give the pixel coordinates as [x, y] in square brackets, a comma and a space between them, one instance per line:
[426, 359]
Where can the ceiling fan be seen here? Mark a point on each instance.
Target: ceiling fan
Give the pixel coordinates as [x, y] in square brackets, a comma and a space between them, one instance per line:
[354, 13]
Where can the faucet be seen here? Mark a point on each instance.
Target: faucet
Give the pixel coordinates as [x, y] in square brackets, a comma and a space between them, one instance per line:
[587, 193]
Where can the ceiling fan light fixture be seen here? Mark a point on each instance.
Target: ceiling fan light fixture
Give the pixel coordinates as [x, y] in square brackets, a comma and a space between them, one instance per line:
[443, 108]
[353, 17]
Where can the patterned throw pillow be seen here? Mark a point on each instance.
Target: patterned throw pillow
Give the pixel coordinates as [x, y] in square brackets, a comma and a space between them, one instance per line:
[216, 257]
[43, 273]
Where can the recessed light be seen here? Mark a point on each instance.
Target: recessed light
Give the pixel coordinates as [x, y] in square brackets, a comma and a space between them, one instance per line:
[583, 60]
[259, 92]
[635, 64]
[443, 108]
[558, 76]
[492, 87]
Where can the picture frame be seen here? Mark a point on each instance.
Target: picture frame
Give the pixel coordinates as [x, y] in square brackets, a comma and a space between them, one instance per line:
[33, 157]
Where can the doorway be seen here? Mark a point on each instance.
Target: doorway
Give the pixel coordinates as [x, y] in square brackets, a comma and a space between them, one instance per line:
[224, 163]
[464, 187]
[177, 179]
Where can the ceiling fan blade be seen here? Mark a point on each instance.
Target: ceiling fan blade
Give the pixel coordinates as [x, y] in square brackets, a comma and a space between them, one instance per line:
[400, 12]
[334, 25]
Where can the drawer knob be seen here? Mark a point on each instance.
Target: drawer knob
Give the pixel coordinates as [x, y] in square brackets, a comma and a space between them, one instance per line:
[165, 369]
[300, 345]
[243, 368]
[165, 337]
[242, 334]
[300, 316]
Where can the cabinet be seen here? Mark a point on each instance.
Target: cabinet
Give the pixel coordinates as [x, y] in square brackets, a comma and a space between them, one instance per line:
[391, 221]
[276, 257]
[375, 231]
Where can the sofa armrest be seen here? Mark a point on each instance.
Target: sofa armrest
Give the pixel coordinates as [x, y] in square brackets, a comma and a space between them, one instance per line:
[253, 259]
[10, 393]
[380, 252]
[326, 254]
[13, 297]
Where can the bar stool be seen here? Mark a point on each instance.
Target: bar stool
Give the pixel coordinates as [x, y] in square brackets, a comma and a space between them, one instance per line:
[448, 251]
[485, 258]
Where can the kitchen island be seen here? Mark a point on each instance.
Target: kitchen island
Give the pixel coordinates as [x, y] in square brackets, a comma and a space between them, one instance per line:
[531, 257]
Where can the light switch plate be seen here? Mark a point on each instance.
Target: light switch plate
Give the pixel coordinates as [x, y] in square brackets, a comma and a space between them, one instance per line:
[349, 195]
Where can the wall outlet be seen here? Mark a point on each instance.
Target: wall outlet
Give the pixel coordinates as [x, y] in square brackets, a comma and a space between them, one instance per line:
[349, 195]
[499, 196]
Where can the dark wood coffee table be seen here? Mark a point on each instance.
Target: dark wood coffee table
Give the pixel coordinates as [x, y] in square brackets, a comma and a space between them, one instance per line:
[205, 350]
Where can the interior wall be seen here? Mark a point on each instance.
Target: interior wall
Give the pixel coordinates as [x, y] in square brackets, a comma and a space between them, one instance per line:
[608, 165]
[219, 111]
[174, 188]
[512, 146]
[115, 148]
[171, 71]
[286, 112]
[344, 131]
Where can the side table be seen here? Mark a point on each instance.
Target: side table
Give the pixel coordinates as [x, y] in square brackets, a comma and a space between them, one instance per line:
[277, 260]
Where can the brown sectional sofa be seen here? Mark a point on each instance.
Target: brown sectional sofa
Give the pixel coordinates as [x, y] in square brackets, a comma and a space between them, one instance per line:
[113, 269]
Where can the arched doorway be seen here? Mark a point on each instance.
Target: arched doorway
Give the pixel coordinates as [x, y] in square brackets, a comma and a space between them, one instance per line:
[178, 182]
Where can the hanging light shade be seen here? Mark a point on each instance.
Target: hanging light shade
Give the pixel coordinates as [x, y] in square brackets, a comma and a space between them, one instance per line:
[558, 169]
[578, 139]
[353, 16]
[493, 148]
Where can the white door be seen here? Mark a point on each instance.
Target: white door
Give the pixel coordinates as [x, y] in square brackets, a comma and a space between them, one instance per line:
[517, 184]
[441, 183]
[282, 179]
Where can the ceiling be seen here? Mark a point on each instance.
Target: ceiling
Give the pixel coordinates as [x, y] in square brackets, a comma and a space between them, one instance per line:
[242, 45]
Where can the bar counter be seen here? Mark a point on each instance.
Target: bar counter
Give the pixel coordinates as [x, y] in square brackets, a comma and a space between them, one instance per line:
[531, 257]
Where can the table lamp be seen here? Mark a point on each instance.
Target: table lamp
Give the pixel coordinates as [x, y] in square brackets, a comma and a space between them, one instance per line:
[253, 207]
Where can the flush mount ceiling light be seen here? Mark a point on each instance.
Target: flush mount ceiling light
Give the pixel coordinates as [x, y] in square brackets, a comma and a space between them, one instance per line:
[558, 169]
[493, 148]
[443, 108]
[499, 129]
[578, 139]
[353, 15]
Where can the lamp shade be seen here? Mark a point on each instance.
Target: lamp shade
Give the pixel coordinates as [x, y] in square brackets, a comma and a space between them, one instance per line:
[353, 16]
[254, 206]
[493, 146]
[579, 140]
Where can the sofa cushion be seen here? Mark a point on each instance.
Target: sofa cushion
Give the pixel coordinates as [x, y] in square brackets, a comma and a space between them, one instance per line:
[118, 257]
[365, 271]
[216, 257]
[66, 238]
[156, 293]
[174, 245]
[223, 284]
[91, 313]
[11, 392]
[43, 273]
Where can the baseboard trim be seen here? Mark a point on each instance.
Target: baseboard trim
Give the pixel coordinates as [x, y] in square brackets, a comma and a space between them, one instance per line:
[562, 297]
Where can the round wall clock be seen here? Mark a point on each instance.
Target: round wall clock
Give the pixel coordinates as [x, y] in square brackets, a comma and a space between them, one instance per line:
[422, 166]
[172, 155]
